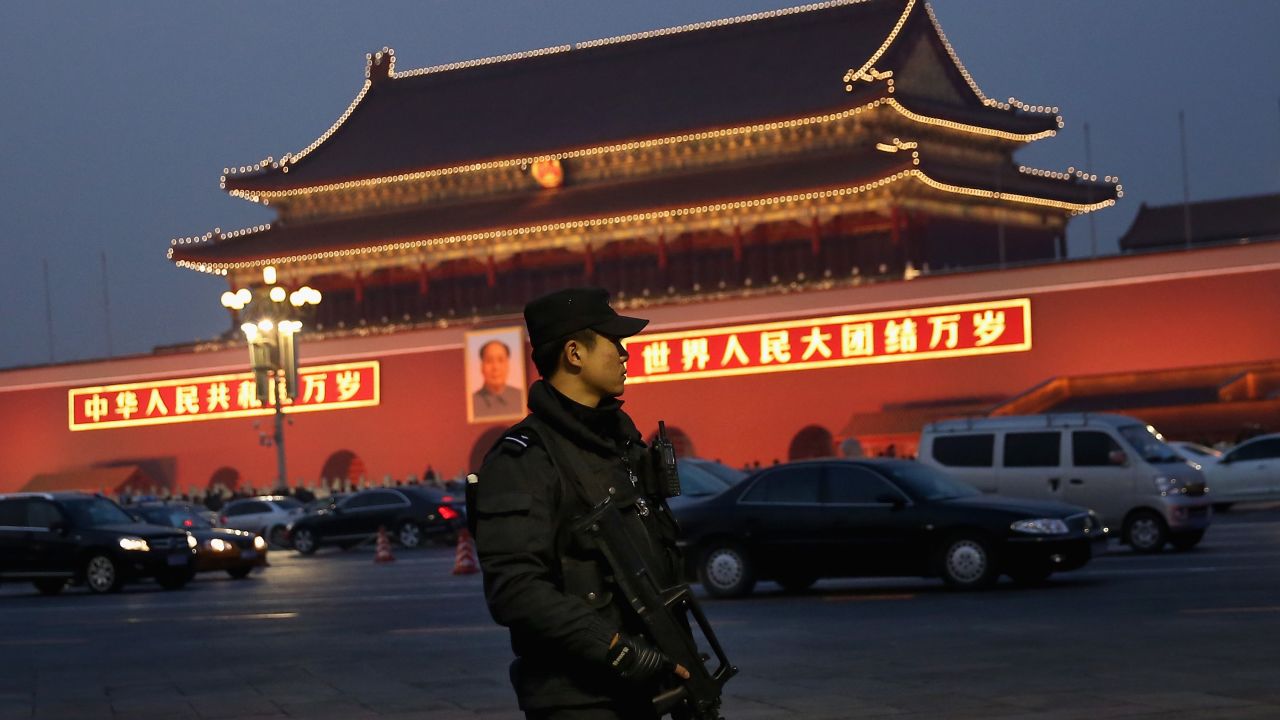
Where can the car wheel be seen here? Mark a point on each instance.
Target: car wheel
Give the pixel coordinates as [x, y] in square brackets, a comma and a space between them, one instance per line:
[175, 580]
[50, 586]
[1032, 575]
[965, 562]
[1185, 541]
[409, 535]
[797, 583]
[725, 570]
[1146, 532]
[305, 541]
[102, 574]
[278, 536]
[240, 573]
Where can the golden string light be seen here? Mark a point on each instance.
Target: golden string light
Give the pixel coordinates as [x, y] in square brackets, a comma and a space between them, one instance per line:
[867, 73]
[861, 72]
[521, 162]
[913, 172]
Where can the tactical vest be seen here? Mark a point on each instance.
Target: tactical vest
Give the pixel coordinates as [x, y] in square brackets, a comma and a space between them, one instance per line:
[588, 479]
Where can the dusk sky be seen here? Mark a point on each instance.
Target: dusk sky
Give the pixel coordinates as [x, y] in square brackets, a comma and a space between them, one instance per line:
[119, 117]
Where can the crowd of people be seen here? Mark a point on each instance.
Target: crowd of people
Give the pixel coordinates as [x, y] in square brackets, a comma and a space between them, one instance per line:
[215, 497]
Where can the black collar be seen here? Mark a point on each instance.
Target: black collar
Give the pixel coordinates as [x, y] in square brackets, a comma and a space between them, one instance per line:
[604, 429]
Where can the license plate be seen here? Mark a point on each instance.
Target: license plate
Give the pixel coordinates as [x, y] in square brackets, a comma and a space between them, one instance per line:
[178, 560]
[248, 554]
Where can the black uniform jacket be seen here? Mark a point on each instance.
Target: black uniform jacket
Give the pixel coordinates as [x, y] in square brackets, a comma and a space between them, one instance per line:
[553, 592]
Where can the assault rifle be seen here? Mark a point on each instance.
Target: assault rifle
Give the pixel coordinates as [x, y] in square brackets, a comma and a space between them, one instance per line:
[666, 613]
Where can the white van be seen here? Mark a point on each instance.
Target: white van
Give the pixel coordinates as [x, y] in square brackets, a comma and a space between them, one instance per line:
[1117, 466]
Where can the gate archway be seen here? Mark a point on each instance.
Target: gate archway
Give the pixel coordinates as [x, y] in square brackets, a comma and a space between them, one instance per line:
[344, 466]
[680, 440]
[813, 441]
[225, 477]
[482, 446]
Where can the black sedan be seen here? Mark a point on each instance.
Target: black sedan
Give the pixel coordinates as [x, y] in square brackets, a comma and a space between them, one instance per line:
[411, 515]
[237, 552]
[55, 538]
[797, 522]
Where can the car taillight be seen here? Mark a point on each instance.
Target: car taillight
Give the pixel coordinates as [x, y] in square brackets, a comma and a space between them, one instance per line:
[222, 520]
[447, 498]
[187, 523]
[447, 512]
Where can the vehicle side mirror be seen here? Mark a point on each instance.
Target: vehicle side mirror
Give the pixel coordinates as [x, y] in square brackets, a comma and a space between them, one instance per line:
[1117, 457]
[1225, 460]
[890, 499]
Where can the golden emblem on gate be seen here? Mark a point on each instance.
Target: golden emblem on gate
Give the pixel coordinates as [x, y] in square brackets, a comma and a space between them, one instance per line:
[548, 173]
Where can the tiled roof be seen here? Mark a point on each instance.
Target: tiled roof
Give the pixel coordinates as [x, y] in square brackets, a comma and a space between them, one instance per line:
[1213, 221]
[725, 74]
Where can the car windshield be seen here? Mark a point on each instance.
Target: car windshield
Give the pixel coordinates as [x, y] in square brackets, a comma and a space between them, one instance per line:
[696, 480]
[926, 483]
[322, 503]
[1200, 450]
[96, 512]
[176, 517]
[730, 475]
[1149, 444]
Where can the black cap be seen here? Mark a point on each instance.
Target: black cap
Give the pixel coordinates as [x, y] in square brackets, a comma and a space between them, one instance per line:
[564, 312]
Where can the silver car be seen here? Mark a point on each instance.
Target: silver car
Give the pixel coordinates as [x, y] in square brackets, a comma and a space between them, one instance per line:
[267, 515]
[1249, 472]
[1115, 465]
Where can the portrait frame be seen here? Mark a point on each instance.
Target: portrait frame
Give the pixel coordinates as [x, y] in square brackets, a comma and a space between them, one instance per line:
[511, 406]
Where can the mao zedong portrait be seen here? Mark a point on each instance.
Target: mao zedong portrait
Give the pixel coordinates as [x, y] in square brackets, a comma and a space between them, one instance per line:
[496, 398]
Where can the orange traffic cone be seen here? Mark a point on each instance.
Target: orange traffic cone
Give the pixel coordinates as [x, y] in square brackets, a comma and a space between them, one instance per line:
[383, 555]
[464, 561]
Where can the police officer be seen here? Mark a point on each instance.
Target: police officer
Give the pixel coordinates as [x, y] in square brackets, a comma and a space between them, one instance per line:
[580, 651]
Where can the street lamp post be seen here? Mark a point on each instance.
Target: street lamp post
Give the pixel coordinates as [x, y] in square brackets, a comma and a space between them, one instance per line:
[271, 327]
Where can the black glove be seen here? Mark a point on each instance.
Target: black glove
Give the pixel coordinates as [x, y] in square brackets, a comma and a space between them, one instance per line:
[634, 659]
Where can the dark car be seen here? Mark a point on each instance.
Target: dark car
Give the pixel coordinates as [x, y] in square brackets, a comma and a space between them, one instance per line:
[52, 538]
[237, 552]
[411, 514]
[702, 478]
[797, 522]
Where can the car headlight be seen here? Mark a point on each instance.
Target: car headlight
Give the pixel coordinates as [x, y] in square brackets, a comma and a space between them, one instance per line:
[259, 543]
[1166, 485]
[192, 542]
[218, 545]
[1040, 526]
[134, 543]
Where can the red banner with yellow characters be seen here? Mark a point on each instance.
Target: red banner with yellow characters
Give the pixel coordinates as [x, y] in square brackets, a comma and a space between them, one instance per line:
[985, 328]
[215, 397]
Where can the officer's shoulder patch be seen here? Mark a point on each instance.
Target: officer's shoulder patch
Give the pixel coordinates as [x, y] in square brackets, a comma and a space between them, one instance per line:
[521, 439]
[516, 443]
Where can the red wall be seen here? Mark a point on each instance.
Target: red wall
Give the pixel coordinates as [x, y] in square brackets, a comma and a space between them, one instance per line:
[1188, 323]
[1126, 314]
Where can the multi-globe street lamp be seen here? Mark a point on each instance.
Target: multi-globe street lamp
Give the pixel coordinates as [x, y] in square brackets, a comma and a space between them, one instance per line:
[271, 327]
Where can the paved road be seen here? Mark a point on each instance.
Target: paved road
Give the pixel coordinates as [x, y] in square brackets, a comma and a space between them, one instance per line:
[335, 636]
